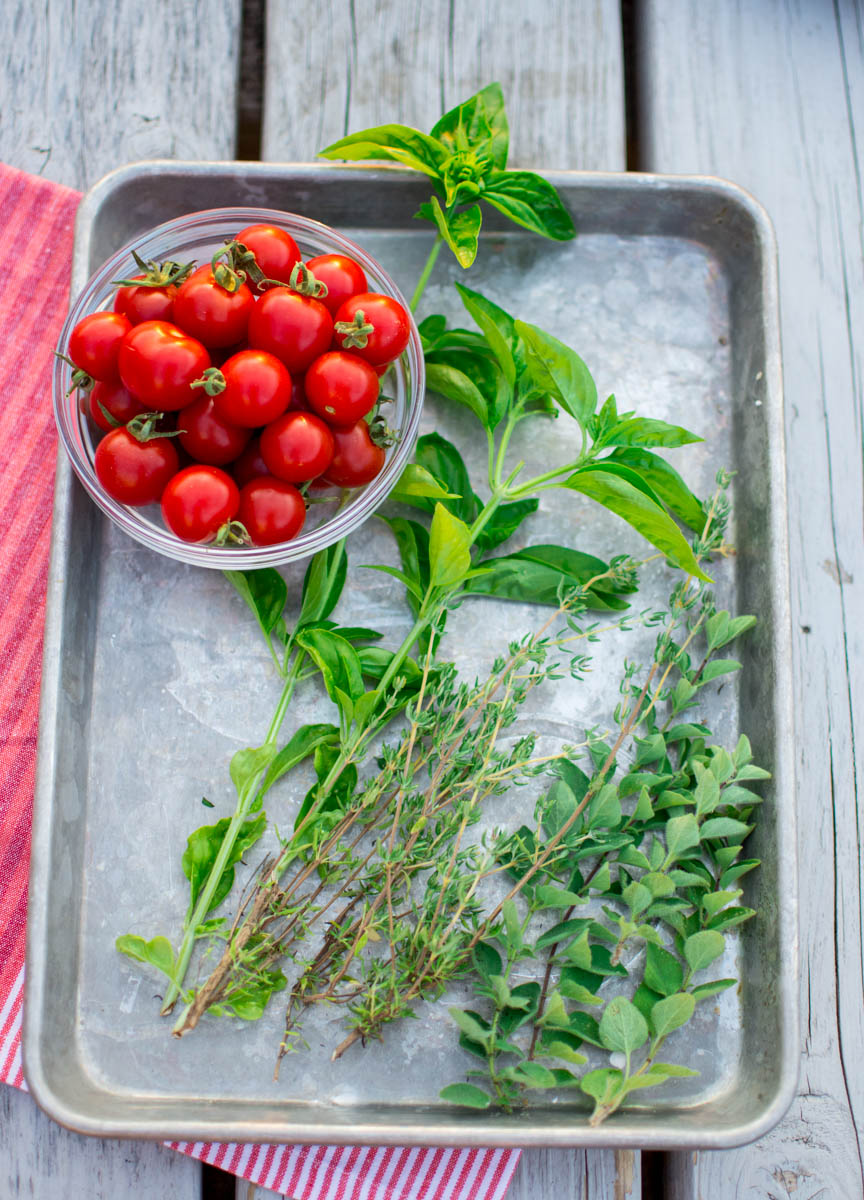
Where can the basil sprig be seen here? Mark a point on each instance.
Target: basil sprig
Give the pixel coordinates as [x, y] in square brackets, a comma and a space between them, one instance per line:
[465, 156]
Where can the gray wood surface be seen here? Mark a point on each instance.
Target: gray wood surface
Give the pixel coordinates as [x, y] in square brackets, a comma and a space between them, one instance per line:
[392, 60]
[771, 95]
[336, 68]
[41, 1161]
[85, 88]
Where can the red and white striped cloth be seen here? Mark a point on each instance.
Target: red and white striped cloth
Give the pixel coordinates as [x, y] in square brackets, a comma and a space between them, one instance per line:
[37, 220]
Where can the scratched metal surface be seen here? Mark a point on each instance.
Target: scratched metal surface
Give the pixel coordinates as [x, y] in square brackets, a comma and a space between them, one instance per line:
[155, 676]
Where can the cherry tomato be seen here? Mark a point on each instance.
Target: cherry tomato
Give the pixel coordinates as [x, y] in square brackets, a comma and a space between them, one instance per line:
[341, 388]
[275, 250]
[158, 362]
[117, 401]
[297, 447]
[95, 342]
[271, 510]
[206, 436]
[390, 330]
[257, 389]
[250, 465]
[342, 275]
[145, 303]
[198, 501]
[134, 472]
[214, 316]
[356, 459]
[293, 327]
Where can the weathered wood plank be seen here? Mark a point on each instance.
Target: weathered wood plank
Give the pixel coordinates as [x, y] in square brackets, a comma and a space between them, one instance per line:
[88, 87]
[39, 1159]
[564, 88]
[770, 95]
[334, 69]
[85, 88]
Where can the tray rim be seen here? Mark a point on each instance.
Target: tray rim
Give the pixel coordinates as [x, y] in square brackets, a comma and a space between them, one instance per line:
[627, 1130]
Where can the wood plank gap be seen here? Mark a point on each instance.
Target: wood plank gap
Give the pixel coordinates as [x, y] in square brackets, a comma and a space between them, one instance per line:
[250, 84]
[217, 1184]
[630, 46]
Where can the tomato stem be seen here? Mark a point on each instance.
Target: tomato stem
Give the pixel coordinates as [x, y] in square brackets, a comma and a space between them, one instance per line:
[354, 334]
[157, 275]
[303, 281]
[212, 381]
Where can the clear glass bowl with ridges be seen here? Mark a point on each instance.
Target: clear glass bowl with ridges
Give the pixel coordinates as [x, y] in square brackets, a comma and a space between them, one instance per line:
[197, 236]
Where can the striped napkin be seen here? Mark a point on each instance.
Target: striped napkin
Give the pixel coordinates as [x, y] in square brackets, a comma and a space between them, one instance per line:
[41, 216]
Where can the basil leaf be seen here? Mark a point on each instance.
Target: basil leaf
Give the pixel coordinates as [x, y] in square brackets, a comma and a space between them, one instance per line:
[158, 952]
[639, 510]
[538, 573]
[647, 431]
[460, 230]
[391, 143]
[337, 661]
[444, 462]
[479, 365]
[301, 745]
[498, 328]
[202, 849]
[246, 765]
[431, 328]
[449, 548]
[455, 385]
[412, 541]
[504, 522]
[265, 592]
[665, 481]
[559, 371]
[530, 201]
[323, 583]
[414, 481]
[479, 123]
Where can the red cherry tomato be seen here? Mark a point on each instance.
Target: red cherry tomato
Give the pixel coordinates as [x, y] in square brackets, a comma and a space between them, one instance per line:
[95, 342]
[145, 303]
[158, 362]
[342, 275]
[390, 330]
[134, 472]
[214, 316]
[198, 501]
[275, 250]
[257, 389]
[297, 447]
[117, 401]
[341, 388]
[271, 510]
[356, 459]
[293, 327]
[250, 465]
[206, 436]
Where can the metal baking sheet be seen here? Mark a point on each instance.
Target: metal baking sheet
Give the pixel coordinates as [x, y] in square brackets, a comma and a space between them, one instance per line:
[154, 676]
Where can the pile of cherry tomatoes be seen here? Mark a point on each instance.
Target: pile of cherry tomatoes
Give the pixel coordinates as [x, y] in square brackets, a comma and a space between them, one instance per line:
[227, 390]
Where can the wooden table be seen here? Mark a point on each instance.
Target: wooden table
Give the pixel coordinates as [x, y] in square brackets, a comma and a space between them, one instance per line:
[767, 93]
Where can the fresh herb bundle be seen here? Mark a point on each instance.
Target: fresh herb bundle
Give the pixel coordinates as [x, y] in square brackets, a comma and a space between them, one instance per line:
[393, 882]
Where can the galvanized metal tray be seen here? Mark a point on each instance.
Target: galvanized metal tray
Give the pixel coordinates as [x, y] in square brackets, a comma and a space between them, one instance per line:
[153, 676]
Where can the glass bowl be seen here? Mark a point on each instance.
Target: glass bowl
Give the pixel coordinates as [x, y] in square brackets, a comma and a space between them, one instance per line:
[198, 236]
